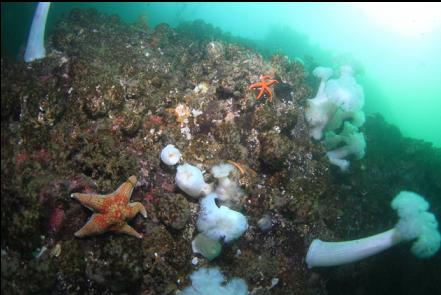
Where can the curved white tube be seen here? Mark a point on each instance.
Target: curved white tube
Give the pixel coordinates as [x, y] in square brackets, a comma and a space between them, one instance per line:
[336, 253]
[35, 46]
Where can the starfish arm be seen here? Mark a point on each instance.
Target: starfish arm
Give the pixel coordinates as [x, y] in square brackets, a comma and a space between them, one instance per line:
[270, 94]
[91, 201]
[272, 82]
[262, 91]
[135, 208]
[255, 85]
[127, 229]
[125, 190]
[270, 98]
[97, 224]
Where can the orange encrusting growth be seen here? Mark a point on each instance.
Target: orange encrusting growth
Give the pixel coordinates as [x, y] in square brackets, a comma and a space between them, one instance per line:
[111, 211]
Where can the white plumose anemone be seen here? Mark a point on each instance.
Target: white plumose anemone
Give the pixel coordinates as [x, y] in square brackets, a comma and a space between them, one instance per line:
[35, 47]
[415, 223]
[220, 222]
[210, 281]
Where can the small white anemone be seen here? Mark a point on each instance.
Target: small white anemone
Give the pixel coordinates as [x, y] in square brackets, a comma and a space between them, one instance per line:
[170, 155]
[189, 178]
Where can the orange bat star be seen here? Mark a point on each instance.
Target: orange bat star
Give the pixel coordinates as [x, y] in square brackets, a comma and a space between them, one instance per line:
[111, 211]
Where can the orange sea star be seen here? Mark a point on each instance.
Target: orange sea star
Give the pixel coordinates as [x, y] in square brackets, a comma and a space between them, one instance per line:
[265, 82]
[111, 211]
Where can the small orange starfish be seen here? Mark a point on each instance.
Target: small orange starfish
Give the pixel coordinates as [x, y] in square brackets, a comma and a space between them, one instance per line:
[111, 211]
[265, 82]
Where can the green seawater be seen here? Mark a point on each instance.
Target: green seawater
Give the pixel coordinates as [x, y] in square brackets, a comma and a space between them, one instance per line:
[395, 48]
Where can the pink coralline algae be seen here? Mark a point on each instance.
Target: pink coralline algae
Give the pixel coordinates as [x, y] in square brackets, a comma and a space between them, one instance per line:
[56, 219]
[168, 187]
[149, 197]
[43, 156]
[21, 158]
[156, 120]
[117, 122]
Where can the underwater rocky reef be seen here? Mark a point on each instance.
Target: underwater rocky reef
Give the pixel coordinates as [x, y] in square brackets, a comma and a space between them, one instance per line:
[109, 96]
